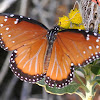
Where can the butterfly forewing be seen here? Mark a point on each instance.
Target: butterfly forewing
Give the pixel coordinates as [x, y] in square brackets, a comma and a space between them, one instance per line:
[16, 32]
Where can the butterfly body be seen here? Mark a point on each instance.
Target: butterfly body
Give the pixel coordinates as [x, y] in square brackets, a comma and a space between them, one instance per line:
[51, 36]
[42, 53]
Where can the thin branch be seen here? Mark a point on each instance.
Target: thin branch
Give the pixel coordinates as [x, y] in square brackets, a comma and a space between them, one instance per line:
[5, 67]
[4, 5]
[26, 91]
[7, 93]
[24, 7]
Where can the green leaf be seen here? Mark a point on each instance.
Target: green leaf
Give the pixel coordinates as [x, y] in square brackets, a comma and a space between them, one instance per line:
[96, 69]
[41, 83]
[81, 70]
[97, 79]
[68, 89]
[98, 82]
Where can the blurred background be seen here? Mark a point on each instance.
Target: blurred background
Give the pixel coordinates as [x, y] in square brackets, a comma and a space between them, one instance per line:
[47, 12]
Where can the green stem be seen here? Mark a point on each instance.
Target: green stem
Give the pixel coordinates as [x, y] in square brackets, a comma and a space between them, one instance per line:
[82, 84]
[88, 87]
[89, 94]
[80, 94]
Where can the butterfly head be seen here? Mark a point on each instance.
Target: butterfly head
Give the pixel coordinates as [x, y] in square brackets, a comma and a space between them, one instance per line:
[51, 36]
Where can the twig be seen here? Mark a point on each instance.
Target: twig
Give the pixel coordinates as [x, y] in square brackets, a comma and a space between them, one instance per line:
[9, 89]
[26, 90]
[4, 5]
[39, 10]
[24, 7]
[45, 94]
[5, 67]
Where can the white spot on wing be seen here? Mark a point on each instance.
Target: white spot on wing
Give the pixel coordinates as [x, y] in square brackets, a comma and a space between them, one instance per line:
[87, 38]
[95, 34]
[84, 52]
[90, 47]
[97, 46]
[21, 16]
[15, 22]
[0, 33]
[1, 25]
[7, 28]
[5, 20]
[97, 40]
[13, 41]
[86, 31]
[29, 18]
[15, 51]
[6, 16]
[72, 64]
[12, 15]
[79, 29]
[9, 35]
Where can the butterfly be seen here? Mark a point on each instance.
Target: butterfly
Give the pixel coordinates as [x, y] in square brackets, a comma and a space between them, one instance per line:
[96, 1]
[42, 53]
[90, 12]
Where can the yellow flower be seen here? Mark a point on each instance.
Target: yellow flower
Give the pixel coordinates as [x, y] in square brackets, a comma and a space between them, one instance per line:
[64, 22]
[75, 16]
[99, 28]
[75, 26]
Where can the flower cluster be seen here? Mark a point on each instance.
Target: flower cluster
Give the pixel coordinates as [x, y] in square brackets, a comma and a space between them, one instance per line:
[75, 16]
[64, 22]
[99, 28]
[72, 21]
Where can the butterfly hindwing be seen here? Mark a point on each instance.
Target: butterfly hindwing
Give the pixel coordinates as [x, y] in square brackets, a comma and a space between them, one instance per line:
[27, 62]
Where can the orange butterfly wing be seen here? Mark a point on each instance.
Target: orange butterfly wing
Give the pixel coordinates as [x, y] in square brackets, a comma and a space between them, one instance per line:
[16, 31]
[59, 70]
[81, 47]
[27, 38]
[72, 47]
[27, 62]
